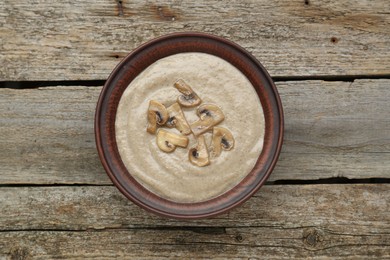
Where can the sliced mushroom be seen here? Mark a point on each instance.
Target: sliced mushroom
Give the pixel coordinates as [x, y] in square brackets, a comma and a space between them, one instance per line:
[177, 119]
[157, 115]
[168, 141]
[222, 139]
[199, 155]
[209, 116]
[189, 97]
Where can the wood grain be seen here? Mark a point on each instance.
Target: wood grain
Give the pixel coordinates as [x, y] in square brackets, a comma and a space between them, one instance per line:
[281, 221]
[48, 136]
[75, 40]
[236, 243]
[335, 129]
[332, 129]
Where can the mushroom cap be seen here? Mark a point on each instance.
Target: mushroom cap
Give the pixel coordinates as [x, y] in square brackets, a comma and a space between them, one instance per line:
[209, 116]
[210, 111]
[177, 119]
[222, 139]
[157, 115]
[199, 155]
[168, 141]
[188, 98]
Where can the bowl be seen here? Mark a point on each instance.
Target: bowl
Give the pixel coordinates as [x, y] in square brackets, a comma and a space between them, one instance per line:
[135, 63]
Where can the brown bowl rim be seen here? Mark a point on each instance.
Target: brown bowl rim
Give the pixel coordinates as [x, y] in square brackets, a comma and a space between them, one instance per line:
[141, 58]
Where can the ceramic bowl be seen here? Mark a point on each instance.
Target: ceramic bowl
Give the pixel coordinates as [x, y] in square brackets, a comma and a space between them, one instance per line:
[134, 64]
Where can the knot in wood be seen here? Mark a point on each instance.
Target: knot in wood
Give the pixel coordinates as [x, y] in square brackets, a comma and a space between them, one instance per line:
[311, 237]
[239, 238]
[334, 40]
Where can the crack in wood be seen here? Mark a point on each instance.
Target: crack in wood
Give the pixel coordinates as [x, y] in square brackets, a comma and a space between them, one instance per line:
[194, 229]
[335, 180]
[51, 83]
[100, 82]
[311, 234]
[120, 7]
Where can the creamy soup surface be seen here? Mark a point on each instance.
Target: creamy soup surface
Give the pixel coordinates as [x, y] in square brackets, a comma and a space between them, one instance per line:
[171, 175]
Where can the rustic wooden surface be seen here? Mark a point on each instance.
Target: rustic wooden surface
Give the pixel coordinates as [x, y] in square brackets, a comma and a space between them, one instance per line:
[42, 40]
[281, 221]
[328, 196]
[332, 129]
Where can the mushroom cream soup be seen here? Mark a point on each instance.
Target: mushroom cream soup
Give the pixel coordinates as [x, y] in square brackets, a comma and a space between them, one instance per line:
[170, 174]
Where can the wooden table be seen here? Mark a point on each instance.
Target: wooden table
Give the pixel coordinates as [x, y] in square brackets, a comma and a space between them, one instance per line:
[328, 197]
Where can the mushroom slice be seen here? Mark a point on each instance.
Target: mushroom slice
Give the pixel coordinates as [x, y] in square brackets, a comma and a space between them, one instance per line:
[189, 97]
[209, 116]
[199, 155]
[157, 115]
[177, 119]
[222, 139]
[168, 141]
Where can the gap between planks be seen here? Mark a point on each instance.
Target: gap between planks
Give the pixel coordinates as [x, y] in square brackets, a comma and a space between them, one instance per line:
[100, 82]
[337, 180]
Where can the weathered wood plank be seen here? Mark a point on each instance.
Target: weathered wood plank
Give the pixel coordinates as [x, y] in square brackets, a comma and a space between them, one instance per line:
[47, 136]
[332, 129]
[236, 243]
[72, 40]
[365, 206]
[281, 221]
[335, 129]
